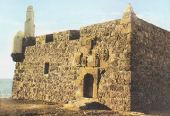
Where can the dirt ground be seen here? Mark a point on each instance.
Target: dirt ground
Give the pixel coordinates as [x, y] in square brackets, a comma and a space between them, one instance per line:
[9, 107]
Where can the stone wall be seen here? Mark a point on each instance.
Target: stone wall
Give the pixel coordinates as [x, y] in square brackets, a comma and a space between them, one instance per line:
[114, 36]
[111, 44]
[31, 83]
[150, 65]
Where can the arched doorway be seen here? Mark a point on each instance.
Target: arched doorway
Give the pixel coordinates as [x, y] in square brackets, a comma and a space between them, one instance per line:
[88, 86]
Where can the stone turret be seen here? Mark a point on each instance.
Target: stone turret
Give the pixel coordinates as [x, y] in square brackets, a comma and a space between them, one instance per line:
[23, 39]
[17, 42]
[17, 52]
[128, 17]
[29, 23]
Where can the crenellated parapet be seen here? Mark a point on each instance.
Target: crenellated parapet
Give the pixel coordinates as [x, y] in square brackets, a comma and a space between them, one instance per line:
[58, 37]
[21, 43]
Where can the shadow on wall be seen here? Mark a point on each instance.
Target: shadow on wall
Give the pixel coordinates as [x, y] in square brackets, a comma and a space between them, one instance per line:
[150, 83]
[94, 106]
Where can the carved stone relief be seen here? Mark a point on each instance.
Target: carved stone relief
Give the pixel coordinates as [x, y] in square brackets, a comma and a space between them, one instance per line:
[77, 59]
[105, 54]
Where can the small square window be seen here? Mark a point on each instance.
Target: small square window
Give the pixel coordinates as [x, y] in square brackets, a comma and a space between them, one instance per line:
[46, 68]
[49, 38]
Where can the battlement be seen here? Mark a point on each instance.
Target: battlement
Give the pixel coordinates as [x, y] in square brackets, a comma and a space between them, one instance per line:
[58, 36]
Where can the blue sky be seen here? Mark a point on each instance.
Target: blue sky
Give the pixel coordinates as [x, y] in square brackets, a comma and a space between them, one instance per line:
[58, 15]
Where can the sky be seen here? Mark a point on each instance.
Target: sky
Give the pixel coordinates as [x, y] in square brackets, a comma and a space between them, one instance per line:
[58, 15]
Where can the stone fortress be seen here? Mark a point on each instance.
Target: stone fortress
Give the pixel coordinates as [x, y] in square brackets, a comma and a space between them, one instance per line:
[123, 64]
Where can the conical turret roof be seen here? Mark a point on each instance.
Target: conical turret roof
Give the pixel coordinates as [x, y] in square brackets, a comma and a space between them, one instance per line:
[129, 11]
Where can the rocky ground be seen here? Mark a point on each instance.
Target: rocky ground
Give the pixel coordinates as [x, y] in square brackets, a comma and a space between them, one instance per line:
[10, 107]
